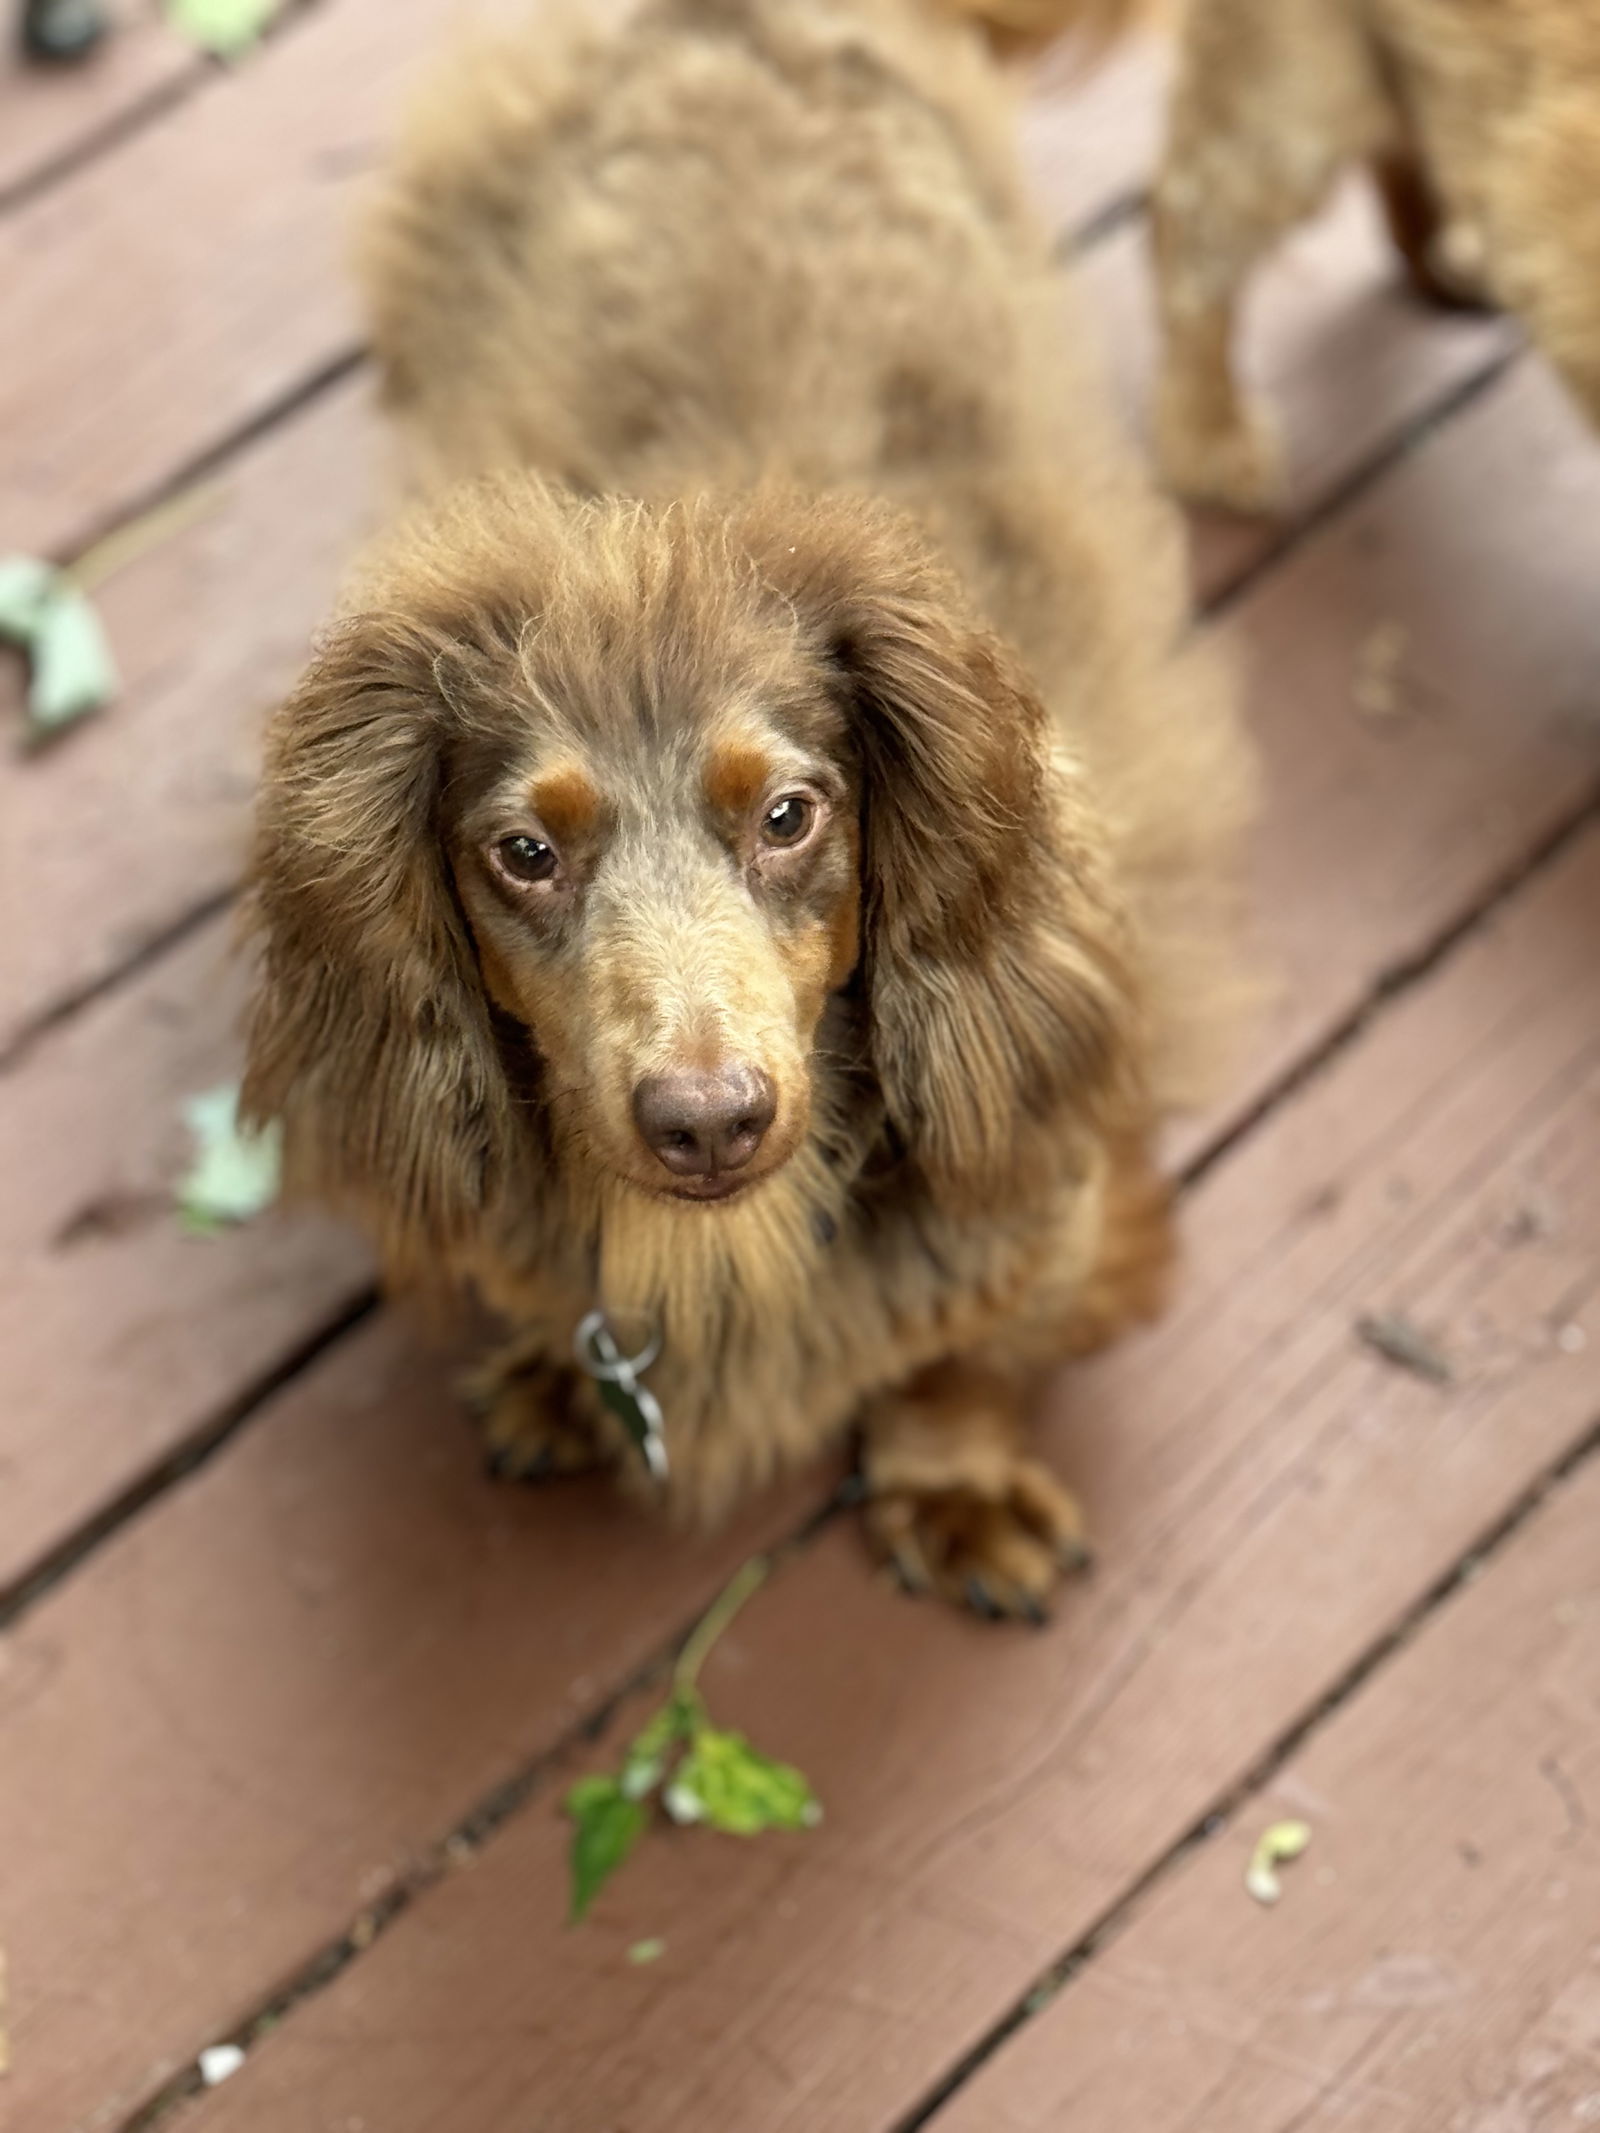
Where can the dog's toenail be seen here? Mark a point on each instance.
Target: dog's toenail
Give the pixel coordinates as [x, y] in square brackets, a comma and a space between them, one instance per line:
[981, 1600]
[1037, 1615]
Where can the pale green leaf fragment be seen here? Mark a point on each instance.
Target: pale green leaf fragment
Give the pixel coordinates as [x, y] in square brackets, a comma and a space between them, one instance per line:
[236, 1172]
[224, 28]
[726, 1783]
[647, 1951]
[70, 666]
[25, 585]
[1277, 1846]
[73, 672]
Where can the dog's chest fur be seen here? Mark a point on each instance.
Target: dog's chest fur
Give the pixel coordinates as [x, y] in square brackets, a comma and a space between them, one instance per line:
[779, 1316]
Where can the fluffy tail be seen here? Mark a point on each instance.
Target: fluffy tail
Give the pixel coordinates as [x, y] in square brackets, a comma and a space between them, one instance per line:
[1030, 25]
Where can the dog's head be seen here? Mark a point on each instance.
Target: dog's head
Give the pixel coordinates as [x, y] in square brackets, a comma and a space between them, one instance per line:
[575, 826]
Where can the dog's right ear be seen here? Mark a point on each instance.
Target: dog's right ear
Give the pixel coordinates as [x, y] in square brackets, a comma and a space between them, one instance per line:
[370, 1035]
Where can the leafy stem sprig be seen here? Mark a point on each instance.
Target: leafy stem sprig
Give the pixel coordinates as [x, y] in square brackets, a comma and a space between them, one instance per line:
[699, 1772]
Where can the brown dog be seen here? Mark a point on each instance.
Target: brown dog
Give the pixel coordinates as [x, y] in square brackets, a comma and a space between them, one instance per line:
[677, 900]
[1482, 121]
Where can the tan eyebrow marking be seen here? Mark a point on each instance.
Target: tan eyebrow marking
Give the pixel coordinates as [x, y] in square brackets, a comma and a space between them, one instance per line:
[737, 774]
[566, 801]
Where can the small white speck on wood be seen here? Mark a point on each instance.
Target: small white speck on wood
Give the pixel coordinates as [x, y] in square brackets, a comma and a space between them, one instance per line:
[218, 2061]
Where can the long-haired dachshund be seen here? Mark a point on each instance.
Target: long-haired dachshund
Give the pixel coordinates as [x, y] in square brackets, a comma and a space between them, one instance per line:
[740, 881]
[1481, 119]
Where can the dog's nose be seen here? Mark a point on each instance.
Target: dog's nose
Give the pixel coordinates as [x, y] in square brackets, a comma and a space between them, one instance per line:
[701, 1123]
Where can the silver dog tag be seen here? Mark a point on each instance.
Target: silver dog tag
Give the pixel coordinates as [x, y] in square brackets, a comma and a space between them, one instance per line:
[617, 1375]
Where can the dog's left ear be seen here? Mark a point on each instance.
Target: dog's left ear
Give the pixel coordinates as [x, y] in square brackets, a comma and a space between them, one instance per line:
[1001, 1006]
[369, 1032]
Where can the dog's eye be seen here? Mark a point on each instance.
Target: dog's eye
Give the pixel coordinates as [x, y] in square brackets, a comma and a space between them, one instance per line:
[526, 859]
[788, 820]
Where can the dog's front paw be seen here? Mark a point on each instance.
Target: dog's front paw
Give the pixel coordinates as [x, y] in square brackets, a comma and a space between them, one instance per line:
[1000, 1553]
[533, 1419]
[1232, 463]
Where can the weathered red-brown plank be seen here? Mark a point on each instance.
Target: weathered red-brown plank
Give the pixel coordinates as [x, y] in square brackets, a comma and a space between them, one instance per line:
[1424, 681]
[125, 825]
[258, 1704]
[1432, 1963]
[120, 1335]
[1333, 341]
[47, 113]
[1269, 1498]
[228, 228]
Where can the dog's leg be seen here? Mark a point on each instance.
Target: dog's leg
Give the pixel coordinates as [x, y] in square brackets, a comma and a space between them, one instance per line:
[535, 1415]
[1417, 226]
[954, 1503]
[1127, 1284]
[1272, 97]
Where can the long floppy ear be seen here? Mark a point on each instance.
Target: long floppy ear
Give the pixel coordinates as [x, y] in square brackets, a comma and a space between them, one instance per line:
[1001, 1005]
[369, 1034]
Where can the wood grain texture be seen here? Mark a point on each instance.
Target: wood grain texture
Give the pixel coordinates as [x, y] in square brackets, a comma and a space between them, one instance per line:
[1268, 1497]
[48, 114]
[262, 1702]
[120, 1335]
[1432, 1966]
[133, 820]
[229, 225]
[1423, 678]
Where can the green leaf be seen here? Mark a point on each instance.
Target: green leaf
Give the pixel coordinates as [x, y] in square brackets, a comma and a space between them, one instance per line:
[222, 27]
[609, 1826]
[72, 668]
[235, 1173]
[726, 1783]
[647, 1951]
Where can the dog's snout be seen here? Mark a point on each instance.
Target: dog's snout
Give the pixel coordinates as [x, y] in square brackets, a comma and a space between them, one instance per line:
[704, 1123]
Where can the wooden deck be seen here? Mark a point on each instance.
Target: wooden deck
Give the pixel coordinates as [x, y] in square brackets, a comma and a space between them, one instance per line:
[289, 1691]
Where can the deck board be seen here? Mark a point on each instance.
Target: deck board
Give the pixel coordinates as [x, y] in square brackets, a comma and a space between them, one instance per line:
[50, 115]
[1432, 1963]
[210, 624]
[1268, 1498]
[123, 1338]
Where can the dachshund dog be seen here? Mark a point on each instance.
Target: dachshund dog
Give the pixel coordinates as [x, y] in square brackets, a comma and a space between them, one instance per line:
[740, 882]
[1481, 119]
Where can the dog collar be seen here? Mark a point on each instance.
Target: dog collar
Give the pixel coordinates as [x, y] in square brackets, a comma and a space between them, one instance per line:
[617, 1375]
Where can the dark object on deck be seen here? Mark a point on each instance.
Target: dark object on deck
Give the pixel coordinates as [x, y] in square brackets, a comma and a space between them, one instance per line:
[1399, 1342]
[61, 29]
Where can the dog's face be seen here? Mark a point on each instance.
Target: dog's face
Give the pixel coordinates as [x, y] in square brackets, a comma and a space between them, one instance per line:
[665, 905]
[572, 831]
